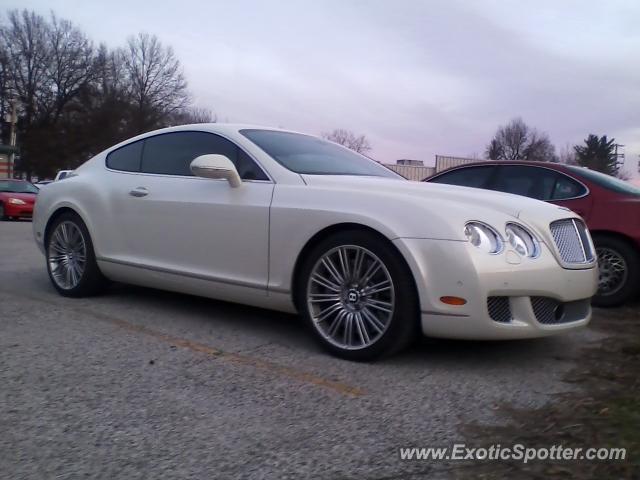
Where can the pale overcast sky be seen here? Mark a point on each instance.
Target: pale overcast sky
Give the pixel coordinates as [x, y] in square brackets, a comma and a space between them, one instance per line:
[417, 77]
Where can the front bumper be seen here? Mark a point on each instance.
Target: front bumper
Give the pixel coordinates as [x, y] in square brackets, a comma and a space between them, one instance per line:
[455, 268]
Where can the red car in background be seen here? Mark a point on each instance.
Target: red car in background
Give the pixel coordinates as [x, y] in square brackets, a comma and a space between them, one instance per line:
[17, 198]
[611, 208]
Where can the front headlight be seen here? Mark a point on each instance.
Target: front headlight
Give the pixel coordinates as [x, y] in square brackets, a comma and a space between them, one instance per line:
[522, 241]
[484, 237]
[17, 201]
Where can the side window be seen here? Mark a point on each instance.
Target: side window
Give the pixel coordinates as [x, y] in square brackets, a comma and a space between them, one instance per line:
[534, 182]
[567, 188]
[126, 158]
[172, 153]
[467, 177]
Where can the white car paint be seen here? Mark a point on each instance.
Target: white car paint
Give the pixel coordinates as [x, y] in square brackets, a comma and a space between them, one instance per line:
[200, 236]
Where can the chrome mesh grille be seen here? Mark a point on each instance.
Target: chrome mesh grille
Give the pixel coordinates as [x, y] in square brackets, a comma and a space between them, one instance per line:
[572, 240]
[499, 309]
[546, 310]
[550, 311]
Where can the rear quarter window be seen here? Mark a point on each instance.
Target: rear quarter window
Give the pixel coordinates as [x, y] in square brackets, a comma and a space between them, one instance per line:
[126, 158]
[567, 188]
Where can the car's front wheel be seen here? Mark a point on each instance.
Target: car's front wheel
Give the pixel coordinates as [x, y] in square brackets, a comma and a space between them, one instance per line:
[71, 261]
[619, 266]
[358, 296]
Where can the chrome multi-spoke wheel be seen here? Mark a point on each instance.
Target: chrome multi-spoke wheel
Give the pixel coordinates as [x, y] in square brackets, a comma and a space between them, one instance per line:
[613, 271]
[350, 297]
[67, 255]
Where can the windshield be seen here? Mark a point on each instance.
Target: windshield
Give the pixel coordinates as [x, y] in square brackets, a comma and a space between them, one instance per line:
[13, 186]
[314, 156]
[606, 181]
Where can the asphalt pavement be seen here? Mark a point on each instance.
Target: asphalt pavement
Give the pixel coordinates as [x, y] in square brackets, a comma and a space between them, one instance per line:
[140, 383]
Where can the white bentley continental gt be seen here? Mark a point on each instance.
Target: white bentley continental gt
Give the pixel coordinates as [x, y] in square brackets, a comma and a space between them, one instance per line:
[291, 222]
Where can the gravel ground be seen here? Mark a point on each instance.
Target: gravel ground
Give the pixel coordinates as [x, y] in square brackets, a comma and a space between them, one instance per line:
[139, 383]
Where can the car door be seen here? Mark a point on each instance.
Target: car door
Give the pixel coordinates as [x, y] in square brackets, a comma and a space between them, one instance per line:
[172, 221]
[543, 184]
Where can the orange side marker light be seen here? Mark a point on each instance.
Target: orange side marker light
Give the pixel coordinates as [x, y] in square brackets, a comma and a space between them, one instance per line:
[457, 301]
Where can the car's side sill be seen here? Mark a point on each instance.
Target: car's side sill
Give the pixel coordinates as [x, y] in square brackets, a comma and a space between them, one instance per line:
[198, 276]
[462, 315]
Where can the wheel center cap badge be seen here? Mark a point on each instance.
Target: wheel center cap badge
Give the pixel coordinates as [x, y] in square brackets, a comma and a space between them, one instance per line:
[353, 296]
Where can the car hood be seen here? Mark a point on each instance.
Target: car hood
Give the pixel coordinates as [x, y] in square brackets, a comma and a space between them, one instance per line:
[458, 204]
[27, 197]
[506, 203]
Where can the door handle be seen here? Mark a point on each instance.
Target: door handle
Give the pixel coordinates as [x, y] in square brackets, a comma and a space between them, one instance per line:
[139, 192]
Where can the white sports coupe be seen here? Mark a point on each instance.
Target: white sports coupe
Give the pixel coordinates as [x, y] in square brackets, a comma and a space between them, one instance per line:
[291, 222]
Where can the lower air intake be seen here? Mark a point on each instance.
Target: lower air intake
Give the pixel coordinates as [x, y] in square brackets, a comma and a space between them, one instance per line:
[499, 309]
[550, 311]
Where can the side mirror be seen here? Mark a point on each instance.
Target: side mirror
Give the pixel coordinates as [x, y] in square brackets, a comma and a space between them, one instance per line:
[216, 166]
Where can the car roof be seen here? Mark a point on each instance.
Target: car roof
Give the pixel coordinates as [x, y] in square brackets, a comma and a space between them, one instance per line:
[551, 165]
[216, 128]
[513, 162]
[220, 128]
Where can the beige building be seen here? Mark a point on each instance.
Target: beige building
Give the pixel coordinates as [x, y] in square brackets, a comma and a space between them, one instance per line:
[417, 171]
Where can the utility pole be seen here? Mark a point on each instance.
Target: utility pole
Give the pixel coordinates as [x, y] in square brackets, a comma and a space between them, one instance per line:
[619, 156]
[12, 118]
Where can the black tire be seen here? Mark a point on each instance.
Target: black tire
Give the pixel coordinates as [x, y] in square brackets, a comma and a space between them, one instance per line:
[2, 214]
[91, 280]
[630, 285]
[403, 326]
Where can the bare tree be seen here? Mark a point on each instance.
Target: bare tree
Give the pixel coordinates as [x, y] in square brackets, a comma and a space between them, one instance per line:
[99, 115]
[347, 138]
[24, 42]
[567, 155]
[71, 64]
[194, 115]
[156, 84]
[539, 147]
[75, 100]
[519, 141]
[4, 87]
[494, 150]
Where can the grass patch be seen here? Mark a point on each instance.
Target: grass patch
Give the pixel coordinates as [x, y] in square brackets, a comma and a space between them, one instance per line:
[603, 410]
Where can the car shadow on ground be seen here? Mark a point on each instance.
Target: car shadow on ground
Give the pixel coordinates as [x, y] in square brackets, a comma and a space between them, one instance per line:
[290, 332]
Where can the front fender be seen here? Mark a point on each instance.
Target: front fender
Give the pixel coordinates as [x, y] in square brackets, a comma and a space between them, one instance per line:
[293, 224]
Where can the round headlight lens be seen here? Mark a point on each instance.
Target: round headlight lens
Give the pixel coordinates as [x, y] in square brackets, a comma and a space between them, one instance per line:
[483, 237]
[522, 241]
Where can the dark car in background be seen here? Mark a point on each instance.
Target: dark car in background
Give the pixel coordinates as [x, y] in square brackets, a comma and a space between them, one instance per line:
[611, 208]
[17, 198]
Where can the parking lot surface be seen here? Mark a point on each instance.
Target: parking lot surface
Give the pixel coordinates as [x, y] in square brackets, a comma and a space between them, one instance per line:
[139, 383]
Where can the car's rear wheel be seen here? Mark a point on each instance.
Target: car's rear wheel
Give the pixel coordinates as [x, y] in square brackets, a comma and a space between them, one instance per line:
[358, 296]
[71, 261]
[2, 214]
[619, 266]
